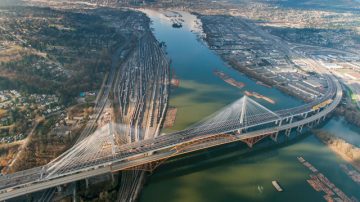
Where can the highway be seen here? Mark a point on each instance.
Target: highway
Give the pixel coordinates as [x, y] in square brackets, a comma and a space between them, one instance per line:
[162, 147]
[140, 89]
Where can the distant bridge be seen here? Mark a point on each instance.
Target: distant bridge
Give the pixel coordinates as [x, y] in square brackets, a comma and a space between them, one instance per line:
[100, 153]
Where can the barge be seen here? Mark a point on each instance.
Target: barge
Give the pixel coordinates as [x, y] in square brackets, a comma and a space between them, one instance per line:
[277, 186]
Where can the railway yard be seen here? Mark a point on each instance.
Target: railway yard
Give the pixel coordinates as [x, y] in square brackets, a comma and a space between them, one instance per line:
[135, 96]
[134, 92]
[141, 96]
[119, 140]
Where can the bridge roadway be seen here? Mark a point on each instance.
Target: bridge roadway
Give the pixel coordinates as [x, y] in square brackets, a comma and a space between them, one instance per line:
[162, 147]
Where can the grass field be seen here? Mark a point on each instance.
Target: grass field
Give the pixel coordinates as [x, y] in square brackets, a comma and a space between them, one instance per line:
[3, 113]
[12, 53]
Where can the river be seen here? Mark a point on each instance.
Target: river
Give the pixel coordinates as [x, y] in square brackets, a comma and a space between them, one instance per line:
[232, 172]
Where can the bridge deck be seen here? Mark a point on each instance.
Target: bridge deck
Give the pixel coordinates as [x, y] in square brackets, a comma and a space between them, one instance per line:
[162, 147]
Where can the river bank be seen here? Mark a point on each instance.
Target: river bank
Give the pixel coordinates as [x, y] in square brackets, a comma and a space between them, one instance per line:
[348, 110]
[345, 150]
[247, 50]
[231, 172]
[264, 79]
[352, 115]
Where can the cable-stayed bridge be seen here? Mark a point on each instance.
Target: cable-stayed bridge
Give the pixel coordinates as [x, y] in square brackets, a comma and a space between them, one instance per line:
[104, 151]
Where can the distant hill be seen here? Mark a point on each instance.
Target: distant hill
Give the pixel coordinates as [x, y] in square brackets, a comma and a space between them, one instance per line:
[335, 5]
[9, 2]
[114, 2]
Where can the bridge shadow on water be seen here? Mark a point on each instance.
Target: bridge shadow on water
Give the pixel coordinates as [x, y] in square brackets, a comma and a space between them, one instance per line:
[222, 160]
[217, 174]
[223, 155]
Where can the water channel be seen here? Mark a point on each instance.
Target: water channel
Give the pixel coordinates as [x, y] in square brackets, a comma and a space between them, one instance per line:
[234, 172]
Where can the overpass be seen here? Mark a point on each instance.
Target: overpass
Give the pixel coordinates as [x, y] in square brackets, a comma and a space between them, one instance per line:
[102, 152]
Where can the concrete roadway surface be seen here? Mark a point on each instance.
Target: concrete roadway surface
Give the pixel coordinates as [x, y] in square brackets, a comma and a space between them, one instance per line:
[130, 156]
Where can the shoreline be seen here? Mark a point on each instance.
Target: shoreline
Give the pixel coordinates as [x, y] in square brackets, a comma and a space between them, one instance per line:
[351, 115]
[232, 63]
[250, 73]
[344, 157]
[338, 146]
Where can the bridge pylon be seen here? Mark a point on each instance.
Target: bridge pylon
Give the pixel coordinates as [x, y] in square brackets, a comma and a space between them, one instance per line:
[288, 132]
[300, 128]
[237, 116]
[274, 136]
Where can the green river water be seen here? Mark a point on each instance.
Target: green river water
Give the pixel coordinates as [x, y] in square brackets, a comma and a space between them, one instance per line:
[234, 172]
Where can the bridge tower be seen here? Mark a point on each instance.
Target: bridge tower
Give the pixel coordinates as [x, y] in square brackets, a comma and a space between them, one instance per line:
[247, 112]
